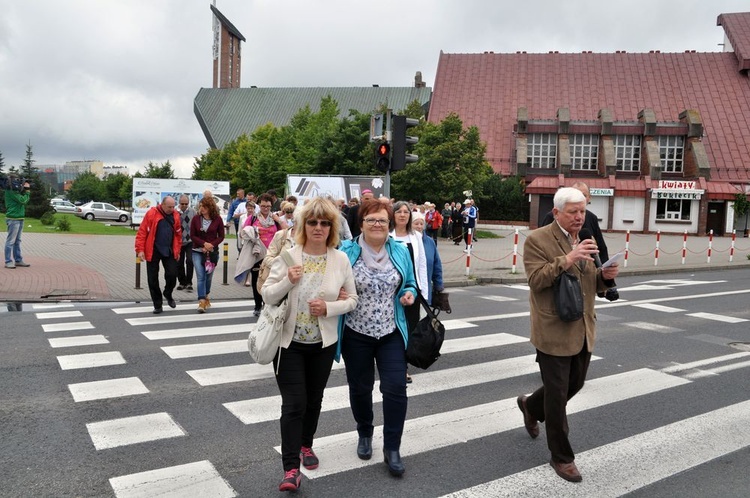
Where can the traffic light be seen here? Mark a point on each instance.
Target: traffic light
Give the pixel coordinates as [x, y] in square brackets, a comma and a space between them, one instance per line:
[401, 141]
[383, 157]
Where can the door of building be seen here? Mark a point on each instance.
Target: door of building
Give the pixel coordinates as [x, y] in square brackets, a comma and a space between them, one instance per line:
[716, 217]
[545, 206]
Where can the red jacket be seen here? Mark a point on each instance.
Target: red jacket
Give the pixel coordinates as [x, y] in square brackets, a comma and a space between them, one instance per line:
[144, 239]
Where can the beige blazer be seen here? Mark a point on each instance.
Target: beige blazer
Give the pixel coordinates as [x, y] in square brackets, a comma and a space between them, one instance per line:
[338, 274]
[544, 259]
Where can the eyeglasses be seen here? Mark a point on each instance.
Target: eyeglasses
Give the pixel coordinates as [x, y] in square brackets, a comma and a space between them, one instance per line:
[265, 205]
[289, 211]
[183, 204]
[314, 223]
[375, 221]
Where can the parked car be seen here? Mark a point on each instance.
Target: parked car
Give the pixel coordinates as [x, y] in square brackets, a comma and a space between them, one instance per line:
[101, 211]
[62, 206]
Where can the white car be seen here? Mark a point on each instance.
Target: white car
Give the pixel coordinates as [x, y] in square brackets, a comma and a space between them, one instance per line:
[62, 206]
[101, 211]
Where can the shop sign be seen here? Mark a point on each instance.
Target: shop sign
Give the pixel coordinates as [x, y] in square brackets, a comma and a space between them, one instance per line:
[691, 195]
[602, 192]
[676, 185]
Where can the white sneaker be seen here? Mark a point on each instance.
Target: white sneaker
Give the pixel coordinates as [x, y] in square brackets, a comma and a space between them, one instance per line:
[10, 265]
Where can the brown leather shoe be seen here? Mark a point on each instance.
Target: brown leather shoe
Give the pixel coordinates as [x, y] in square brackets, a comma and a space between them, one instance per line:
[567, 471]
[532, 427]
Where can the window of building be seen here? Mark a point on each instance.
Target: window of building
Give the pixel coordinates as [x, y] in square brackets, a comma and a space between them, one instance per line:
[628, 152]
[542, 150]
[671, 150]
[584, 151]
[673, 209]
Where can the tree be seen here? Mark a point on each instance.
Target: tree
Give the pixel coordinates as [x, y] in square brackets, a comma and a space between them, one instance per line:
[503, 198]
[451, 160]
[112, 186]
[86, 187]
[159, 171]
[39, 199]
[741, 207]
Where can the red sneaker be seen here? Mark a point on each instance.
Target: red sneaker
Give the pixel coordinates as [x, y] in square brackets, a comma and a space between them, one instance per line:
[308, 457]
[292, 480]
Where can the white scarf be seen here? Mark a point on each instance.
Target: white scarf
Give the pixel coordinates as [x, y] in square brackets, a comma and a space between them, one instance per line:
[375, 260]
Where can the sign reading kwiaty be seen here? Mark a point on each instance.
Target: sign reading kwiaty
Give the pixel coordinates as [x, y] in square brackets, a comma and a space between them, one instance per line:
[677, 185]
[149, 192]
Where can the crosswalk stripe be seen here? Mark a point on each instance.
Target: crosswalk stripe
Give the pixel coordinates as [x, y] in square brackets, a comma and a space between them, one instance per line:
[708, 372]
[158, 335]
[462, 425]
[131, 430]
[655, 327]
[253, 371]
[66, 326]
[499, 299]
[190, 479]
[58, 314]
[90, 360]
[105, 389]
[131, 310]
[680, 367]
[79, 340]
[718, 318]
[621, 467]
[197, 317]
[257, 410]
[659, 307]
[50, 306]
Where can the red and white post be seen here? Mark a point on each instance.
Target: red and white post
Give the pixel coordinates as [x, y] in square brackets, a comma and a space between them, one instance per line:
[710, 244]
[731, 248]
[656, 251]
[515, 251]
[468, 251]
[684, 246]
[627, 248]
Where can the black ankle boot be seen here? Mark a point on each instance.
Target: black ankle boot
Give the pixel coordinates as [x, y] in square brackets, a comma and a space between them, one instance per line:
[364, 448]
[392, 458]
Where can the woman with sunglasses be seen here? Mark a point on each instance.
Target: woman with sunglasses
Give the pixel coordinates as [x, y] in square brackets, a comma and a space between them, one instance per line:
[308, 341]
[376, 330]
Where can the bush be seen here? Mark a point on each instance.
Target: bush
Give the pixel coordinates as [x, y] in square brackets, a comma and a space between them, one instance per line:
[48, 218]
[63, 224]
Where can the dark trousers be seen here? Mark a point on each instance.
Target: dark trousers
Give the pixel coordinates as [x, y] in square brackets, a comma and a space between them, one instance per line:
[185, 265]
[254, 273]
[388, 352]
[170, 277]
[562, 378]
[432, 233]
[303, 375]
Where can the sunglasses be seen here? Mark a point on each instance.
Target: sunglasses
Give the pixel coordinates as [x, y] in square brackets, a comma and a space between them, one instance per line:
[289, 211]
[314, 223]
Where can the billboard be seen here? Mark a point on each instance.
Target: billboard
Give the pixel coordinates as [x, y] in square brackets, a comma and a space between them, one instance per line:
[305, 187]
[149, 192]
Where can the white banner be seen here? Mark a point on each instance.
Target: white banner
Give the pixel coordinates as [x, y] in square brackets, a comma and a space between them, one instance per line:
[338, 187]
[149, 192]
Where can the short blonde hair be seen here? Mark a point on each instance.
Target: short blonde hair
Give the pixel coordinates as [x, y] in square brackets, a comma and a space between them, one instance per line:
[317, 208]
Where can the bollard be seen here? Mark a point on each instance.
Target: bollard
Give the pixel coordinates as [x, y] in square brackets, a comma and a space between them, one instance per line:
[627, 247]
[710, 243]
[684, 246]
[731, 249]
[137, 272]
[226, 263]
[515, 251]
[468, 251]
[656, 251]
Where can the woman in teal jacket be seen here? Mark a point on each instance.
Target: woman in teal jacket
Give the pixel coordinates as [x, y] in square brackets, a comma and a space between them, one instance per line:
[375, 332]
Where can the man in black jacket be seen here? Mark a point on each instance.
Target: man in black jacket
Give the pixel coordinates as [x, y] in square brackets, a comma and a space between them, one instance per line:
[592, 223]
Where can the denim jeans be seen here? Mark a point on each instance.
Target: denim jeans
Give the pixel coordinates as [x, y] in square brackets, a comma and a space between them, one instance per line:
[360, 352]
[204, 279]
[13, 242]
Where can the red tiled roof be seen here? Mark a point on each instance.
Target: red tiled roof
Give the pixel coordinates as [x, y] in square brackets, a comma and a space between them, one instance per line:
[737, 28]
[486, 90]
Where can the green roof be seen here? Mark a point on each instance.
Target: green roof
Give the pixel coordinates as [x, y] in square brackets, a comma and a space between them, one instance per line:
[226, 113]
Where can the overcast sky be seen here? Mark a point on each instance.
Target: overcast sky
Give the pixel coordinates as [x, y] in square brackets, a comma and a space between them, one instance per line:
[115, 80]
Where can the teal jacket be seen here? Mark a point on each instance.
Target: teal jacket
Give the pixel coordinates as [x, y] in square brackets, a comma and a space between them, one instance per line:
[401, 259]
[15, 204]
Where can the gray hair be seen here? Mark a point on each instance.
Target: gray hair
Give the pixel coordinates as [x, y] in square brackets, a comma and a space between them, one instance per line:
[567, 195]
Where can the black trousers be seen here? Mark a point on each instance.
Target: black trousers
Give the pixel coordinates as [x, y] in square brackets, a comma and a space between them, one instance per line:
[254, 273]
[303, 375]
[185, 265]
[170, 277]
[562, 378]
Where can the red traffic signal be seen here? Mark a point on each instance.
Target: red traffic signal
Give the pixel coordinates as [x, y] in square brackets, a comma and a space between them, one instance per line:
[383, 157]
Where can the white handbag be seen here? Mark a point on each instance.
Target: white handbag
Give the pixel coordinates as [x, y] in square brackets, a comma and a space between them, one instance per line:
[265, 338]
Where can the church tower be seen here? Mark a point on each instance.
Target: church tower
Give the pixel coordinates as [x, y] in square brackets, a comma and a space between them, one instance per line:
[226, 51]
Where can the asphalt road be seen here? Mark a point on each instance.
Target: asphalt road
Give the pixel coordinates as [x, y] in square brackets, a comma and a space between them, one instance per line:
[665, 412]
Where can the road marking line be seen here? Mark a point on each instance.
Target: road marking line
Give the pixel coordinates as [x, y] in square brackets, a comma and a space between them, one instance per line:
[190, 479]
[105, 389]
[718, 318]
[58, 314]
[64, 327]
[253, 411]
[169, 318]
[131, 430]
[499, 299]
[158, 335]
[206, 349]
[710, 372]
[654, 327]
[50, 306]
[459, 426]
[80, 340]
[90, 360]
[680, 367]
[659, 307]
[632, 463]
[189, 306]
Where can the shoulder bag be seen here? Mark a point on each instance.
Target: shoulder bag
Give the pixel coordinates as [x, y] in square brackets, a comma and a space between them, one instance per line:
[265, 338]
[425, 341]
[568, 297]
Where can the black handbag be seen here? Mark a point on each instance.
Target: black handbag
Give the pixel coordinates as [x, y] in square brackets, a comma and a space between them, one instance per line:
[425, 341]
[440, 301]
[568, 297]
